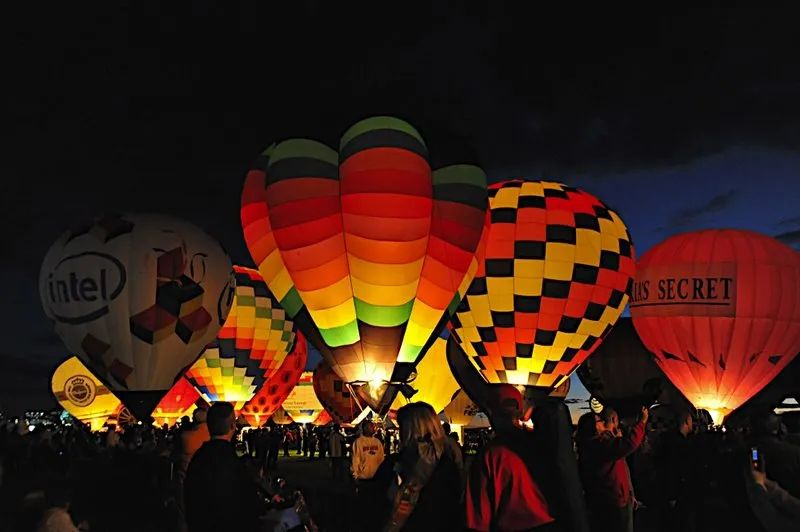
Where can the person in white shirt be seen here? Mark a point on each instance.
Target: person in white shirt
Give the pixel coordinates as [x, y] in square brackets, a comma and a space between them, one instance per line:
[367, 453]
[336, 448]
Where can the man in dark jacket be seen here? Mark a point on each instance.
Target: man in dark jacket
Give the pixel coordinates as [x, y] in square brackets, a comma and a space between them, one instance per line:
[219, 493]
[605, 474]
[781, 458]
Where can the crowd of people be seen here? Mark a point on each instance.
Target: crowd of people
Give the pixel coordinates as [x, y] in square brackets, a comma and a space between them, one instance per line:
[537, 472]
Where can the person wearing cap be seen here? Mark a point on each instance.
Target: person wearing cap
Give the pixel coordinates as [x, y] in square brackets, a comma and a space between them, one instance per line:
[503, 486]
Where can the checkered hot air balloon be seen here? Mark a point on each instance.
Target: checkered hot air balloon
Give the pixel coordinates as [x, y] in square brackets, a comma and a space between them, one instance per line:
[250, 346]
[367, 248]
[558, 271]
[274, 392]
[338, 398]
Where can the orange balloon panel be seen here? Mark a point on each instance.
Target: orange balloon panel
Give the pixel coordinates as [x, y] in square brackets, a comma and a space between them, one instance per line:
[720, 309]
[559, 265]
[272, 394]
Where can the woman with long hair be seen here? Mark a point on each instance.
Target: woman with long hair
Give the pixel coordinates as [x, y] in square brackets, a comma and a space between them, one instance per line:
[423, 481]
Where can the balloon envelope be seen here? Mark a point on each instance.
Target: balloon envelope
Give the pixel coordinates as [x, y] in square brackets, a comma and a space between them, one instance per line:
[137, 298]
[179, 401]
[720, 310]
[250, 346]
[434, 383]
[623, 374]
[335, 395]
[302, 404]
[559, 265]
[270, 397]
[82, 394]
[367, 248]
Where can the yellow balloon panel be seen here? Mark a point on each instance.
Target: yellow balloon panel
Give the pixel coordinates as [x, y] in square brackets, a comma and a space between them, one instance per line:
[302, 404]
[82, 394]
[434, 383]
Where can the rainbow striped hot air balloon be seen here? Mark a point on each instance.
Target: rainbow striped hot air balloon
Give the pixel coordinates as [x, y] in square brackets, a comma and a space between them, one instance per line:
[250, 347]
[368, 249]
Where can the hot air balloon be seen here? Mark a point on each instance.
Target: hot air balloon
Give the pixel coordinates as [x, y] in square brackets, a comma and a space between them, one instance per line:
[720, 310]
[179, 401]
[302, 404]
[272, 394]
[462, 413]
[137, 298]
[82, 394]
[622, 374]
[434, 383]
[250, 346]
[336, 396]
[323, 419]
[280, 417]
[559, 265]
[368, 249]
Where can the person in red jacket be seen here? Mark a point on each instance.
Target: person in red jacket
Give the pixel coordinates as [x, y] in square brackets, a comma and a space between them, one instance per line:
[602, 449]
[503, 487]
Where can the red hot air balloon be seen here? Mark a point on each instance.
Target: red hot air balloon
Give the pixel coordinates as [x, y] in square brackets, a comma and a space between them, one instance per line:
[720, 309]
[275, 391]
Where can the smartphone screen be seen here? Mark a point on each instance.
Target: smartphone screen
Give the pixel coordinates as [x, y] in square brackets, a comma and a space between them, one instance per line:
[755, 458]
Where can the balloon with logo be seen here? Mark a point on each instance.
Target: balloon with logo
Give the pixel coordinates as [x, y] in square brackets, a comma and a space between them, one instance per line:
[558, 269]
[302, 404]
[434, 383]
[250, 346]
[280, 417]
[181, 400]
[336, 396]
[720, 310]
[367, 248]
[274, 392]
[461, 409]
[137, 298]
[82, 394]
[622, 374]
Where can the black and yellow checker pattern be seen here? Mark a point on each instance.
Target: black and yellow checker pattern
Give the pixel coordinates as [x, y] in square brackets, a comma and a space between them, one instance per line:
[558, 269]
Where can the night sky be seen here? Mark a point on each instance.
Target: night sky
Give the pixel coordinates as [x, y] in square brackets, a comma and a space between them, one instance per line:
[678, 121]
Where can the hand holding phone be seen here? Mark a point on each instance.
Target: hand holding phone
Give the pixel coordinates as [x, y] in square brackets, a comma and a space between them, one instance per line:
[756, 460]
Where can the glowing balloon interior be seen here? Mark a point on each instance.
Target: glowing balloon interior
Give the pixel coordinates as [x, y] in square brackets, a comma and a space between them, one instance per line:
[82, 394]
[367, 248]
[720, 310]
[559, 266]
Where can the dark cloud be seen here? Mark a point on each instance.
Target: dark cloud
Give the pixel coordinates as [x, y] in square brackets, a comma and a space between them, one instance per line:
[791, 221]
[791, 238]
[689, 215]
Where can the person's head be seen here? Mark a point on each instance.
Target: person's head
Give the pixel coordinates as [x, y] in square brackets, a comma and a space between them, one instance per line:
[607, 420]
[367, 428]
[684, 422]
[506, 407]
[587, 427]
[791, 420]
[446, 428]
[221, 420]
[418, 421]
[766, 424]
[200, 415]
[185, 421]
